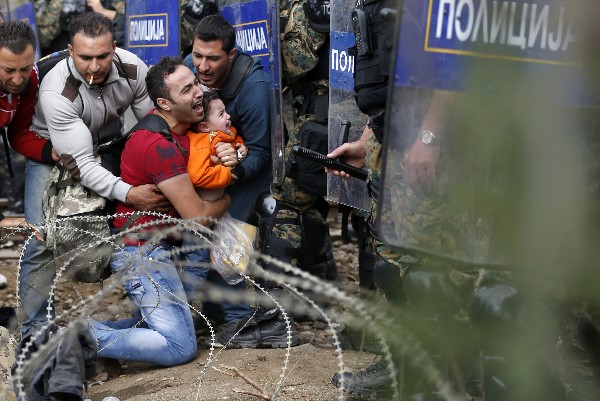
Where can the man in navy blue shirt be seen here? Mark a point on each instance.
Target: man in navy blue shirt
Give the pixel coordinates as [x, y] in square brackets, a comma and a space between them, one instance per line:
[245, 88]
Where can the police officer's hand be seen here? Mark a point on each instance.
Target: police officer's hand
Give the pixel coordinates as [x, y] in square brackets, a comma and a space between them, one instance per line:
[353, 153]
[419, 167]
[227, 154]
[148, 197]
[97, 6]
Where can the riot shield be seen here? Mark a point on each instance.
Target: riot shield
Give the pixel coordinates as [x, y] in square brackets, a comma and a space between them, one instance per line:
[477, 90]
[256, 23]
[152, 29]
[22, 10]
[346, 122]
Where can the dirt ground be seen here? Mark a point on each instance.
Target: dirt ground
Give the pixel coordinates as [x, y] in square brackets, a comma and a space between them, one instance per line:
[306, 371]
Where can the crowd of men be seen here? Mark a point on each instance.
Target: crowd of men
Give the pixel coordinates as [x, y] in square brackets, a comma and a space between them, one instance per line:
[79, 104]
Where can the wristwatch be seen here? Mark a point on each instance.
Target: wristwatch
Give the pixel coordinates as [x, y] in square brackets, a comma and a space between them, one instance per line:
[429, 138]
[240, 155]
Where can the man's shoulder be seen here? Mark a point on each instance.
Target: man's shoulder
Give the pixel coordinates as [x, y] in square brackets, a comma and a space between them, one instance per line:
[245, 73]
[256, 72]
[128, 64]
[128, 57]
[56, 77]
[59, 80]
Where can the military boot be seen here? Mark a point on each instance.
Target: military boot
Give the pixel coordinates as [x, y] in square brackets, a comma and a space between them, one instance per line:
[372, 383]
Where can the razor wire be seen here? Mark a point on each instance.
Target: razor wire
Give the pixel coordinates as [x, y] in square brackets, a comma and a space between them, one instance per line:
[293, 279]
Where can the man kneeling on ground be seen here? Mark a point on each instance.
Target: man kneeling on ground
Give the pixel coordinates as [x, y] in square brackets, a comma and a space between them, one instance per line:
[161, 330]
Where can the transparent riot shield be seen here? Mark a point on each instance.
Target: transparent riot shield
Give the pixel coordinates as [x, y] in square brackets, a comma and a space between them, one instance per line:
[346, 122]
[478, 105]
[256, 23]
[22, 10]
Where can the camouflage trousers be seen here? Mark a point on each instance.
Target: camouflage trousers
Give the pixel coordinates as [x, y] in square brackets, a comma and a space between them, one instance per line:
[298, 203]
[7, 359]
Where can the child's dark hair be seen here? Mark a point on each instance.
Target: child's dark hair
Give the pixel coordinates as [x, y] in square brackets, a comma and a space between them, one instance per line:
[209, 96]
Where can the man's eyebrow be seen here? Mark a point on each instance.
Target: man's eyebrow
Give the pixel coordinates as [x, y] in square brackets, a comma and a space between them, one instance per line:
[8, 67]
[94, 56]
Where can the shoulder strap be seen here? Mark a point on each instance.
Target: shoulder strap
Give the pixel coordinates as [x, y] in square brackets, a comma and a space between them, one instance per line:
[46, 63]
[157, 124]
[151, 122]
[238, 74]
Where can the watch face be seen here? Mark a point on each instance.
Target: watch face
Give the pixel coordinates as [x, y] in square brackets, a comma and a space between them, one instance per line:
[427, 137]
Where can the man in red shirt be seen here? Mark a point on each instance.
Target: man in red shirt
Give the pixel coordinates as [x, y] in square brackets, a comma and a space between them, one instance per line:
[18, 91]
[18, 95]
[167, 335]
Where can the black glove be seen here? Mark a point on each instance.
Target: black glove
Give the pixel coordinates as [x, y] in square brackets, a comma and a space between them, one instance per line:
[195, 10]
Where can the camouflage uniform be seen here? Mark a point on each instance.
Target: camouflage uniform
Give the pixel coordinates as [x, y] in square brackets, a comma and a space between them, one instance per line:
[7, 359]
[47, 14]
[299, 47]
[47, 18]
[189, 20]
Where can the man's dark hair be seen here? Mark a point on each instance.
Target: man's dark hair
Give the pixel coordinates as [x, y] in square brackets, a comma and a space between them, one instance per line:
[209, 96]
[215, 27]
[92, 25]
[155, 79]
[16, 35]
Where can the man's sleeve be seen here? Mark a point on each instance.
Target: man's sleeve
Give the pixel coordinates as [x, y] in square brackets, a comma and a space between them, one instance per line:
[299, 45]
[72, 138]
[20, 136]
[254, 113]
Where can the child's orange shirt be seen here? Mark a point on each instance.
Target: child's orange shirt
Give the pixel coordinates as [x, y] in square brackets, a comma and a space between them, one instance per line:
[203, 172]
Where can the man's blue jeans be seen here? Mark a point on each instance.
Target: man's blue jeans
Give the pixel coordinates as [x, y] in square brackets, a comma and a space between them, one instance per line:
[165, 333]
[37, 267]
[193, 276]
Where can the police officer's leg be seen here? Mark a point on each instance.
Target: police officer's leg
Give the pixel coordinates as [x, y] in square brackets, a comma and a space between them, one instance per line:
[297, 237]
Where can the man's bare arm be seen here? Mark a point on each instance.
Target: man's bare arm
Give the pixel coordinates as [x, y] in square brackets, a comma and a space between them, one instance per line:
[182, 195]
[353, 153]
[420, 161]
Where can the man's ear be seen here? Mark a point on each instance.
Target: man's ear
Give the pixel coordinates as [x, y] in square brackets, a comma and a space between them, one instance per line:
[232, 54]
[203, 127]
[163, 103]
[114, 45]
[70, 50]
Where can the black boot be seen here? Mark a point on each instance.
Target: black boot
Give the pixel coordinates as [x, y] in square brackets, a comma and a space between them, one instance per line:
[373, 382]
[266, 329]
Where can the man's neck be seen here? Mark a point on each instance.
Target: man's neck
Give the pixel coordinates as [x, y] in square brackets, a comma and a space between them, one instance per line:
[177, 127]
